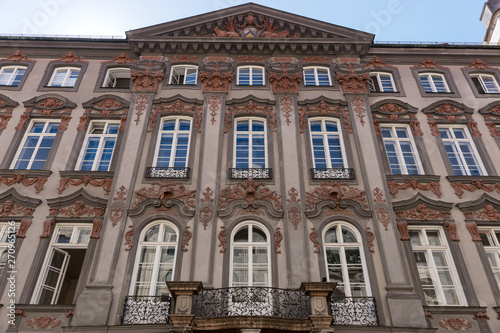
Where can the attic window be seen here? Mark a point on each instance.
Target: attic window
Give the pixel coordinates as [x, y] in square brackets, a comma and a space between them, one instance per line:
[117, 78]
[184, 75]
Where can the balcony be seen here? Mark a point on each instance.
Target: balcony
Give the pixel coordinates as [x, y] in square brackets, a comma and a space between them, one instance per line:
[255, 173]
[332, 173]
[354, 311]
[251, 301]
[146, 310]
[175, 172]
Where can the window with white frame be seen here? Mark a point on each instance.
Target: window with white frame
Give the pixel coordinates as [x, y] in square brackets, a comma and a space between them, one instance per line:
[117, 78]
[436, 270]
[98, 146]
[433, 83]
[11, 75]
[155, 260]
[63, 264]
[485, 83]
[401, 151]
[381, 82]
[461, 151]
[250, 76]
[184, 75]
[490, 238]
[8, 231]
[345, 261]
[250, 148]
[36, 145]
[173, 143]
[64, 77]
[326, 140]
[250, 262]
[317, 76]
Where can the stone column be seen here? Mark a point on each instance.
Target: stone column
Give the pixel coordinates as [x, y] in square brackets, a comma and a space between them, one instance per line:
[93, 305]
[401, 297]
[182, 296]
[320, 293]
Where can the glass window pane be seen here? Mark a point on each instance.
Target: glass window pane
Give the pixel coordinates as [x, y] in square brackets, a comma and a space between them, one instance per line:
[242, 235]
[258, 235]
[331, 235]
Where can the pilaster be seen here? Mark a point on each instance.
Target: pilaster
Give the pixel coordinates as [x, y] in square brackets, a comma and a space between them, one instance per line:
[146, 76]
[401, 294]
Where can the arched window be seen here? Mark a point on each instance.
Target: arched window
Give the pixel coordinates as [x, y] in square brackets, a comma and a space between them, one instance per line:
[250, 262]
[155, 260]
[345, 261]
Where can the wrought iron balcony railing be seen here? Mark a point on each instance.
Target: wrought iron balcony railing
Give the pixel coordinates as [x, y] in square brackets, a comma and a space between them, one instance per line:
[146, 310]
[251, 301]
[354, 311]
[332, 173]
[255, 173]
[160, 172]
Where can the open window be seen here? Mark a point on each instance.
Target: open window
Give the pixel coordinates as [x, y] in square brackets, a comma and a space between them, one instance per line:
[381, 82]
[485, 83]
[63, 264]
[118, 78]
[184, 75]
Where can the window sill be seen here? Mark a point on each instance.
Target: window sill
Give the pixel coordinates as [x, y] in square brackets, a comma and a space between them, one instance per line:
[454, 309]
[27, 173]
[420, 178]
[470, 179]
[79, 174]
[181, 86]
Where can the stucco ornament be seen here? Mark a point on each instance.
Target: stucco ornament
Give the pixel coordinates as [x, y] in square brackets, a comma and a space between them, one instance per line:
[250, 190]
[166, 190]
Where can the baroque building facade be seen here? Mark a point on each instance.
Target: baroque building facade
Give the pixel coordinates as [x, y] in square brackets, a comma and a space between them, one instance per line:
[249, 170]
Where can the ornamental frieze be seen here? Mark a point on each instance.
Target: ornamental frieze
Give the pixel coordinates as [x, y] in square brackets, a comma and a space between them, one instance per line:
[177, 107]
[250, 27]
[377, 64]
[38, 182]
[165, 191]
[65, 182]
[488, 213]
[478, 64]
[456, 324]
[491, 114]
[250, 108]
[70, 58]
[429, 64]
[353, 83]
[121, 59]
[395, 187]
[216, 81]
[249, 191]
[336, 192]
[459, 187]
[322, 108]
[421, 212]
[17, 56]
[448, 111]
[284, 82]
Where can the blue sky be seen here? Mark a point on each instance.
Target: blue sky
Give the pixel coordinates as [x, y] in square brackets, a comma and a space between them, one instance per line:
[390, 20]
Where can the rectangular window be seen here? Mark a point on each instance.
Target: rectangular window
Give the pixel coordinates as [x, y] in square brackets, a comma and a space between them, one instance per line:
[250, 76]
[36, 146]
[485, 84]
[436, 270]
[11, 75]
[250, 145]
[7, 231]
[64, 77]
[326, 139]
[491, 242]
[401, 152]
[317, 76]
[184, 75]
[173, 143]
[63, 264]
[461, 152]
[99, 146]
[381, 82]
[434, 83]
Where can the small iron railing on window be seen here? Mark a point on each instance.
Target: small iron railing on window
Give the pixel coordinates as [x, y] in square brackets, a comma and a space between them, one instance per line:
[146, 310]
[354, 311]
[332, 173]
[251, 301]
[160, 172]
[255, 173]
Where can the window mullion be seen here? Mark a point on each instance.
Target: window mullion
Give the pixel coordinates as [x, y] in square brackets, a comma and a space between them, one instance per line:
[173, 151]
[98, 153]
[464, 165]
[345, 271]
[435, 278]
[156, 267]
